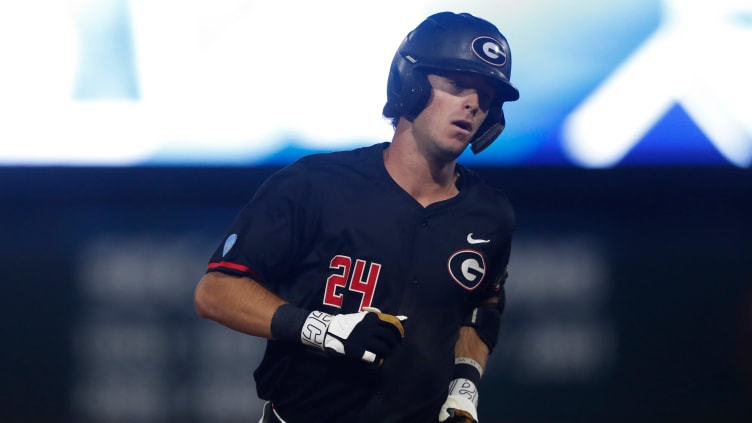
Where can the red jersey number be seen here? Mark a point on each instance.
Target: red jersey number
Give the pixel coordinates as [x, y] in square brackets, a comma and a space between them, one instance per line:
[360, 280]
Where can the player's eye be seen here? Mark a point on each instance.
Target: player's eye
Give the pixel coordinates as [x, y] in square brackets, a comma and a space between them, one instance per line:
[485, 101]
[454, 85]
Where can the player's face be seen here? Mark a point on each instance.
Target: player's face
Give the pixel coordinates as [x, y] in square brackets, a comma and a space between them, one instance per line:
[458, 106]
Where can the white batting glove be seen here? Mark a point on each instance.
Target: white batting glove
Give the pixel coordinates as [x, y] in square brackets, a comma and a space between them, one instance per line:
[369, 335]
[461, 404]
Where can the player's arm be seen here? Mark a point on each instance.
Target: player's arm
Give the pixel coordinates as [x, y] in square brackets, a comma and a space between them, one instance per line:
[243, 304]
[237, 302]
[476, 340]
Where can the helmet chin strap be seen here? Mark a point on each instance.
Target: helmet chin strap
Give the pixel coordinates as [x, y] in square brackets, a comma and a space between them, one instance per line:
[483, 141]
[488, 135]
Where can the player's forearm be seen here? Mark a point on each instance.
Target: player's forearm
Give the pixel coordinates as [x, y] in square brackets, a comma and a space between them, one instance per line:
[471, 354]
[239, 303]
[471, 346]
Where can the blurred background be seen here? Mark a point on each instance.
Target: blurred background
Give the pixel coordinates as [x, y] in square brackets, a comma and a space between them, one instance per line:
[132, 131]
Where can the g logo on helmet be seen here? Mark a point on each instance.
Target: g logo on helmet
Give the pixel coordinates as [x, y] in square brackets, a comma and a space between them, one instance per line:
[489, 50]
[467, 268]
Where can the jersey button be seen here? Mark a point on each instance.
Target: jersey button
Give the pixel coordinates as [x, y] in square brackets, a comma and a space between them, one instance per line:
[414, 281]
[423, 224]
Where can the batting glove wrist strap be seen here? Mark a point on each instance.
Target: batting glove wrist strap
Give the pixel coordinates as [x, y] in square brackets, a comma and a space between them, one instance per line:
[461, 404]
[315, 329]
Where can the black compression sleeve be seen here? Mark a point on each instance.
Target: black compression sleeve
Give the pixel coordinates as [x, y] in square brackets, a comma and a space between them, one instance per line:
[486, 319]
[287, 323]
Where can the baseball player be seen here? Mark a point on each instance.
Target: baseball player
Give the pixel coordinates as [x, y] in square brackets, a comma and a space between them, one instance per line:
[377, 274]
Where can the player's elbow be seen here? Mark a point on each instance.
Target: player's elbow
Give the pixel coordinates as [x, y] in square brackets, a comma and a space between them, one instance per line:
[202, 300]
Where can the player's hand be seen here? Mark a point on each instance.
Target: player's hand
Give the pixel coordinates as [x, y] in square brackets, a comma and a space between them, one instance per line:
[458, 409]
[369, 335]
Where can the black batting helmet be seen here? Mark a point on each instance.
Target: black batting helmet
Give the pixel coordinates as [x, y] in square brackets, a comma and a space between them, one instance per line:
[451, 42]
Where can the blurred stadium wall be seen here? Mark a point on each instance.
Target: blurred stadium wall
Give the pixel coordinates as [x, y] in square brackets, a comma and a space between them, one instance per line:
[629, 297]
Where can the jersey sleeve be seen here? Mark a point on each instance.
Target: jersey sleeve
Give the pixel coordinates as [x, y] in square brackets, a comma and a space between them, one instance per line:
[494, 285]
[269, 232]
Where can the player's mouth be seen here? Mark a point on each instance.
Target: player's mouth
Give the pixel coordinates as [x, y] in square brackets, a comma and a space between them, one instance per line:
[464, 125]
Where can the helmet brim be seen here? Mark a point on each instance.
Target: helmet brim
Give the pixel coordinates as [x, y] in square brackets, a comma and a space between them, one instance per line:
[505, 90]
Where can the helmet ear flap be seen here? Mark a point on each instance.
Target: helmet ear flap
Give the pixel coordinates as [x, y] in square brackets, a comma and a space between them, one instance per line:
[408, 90]
[489, 131]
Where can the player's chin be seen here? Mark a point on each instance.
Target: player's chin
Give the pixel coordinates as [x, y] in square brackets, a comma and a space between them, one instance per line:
[449, 154]
[458, 144]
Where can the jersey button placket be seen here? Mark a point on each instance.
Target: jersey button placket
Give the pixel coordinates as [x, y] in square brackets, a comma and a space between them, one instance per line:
[423, 224]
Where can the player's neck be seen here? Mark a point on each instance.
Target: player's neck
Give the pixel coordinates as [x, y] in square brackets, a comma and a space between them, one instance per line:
[425, 181]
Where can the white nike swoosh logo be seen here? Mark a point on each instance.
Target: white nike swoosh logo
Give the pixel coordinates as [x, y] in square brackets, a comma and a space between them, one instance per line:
[472, 240]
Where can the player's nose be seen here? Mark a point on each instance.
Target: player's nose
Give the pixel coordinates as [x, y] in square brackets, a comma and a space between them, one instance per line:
[472, 106]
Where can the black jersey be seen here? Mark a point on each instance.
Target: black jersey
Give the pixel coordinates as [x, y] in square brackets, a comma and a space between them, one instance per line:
[334, 232]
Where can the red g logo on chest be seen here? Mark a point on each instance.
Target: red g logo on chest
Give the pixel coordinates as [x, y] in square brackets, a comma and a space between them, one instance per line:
[467, 268]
